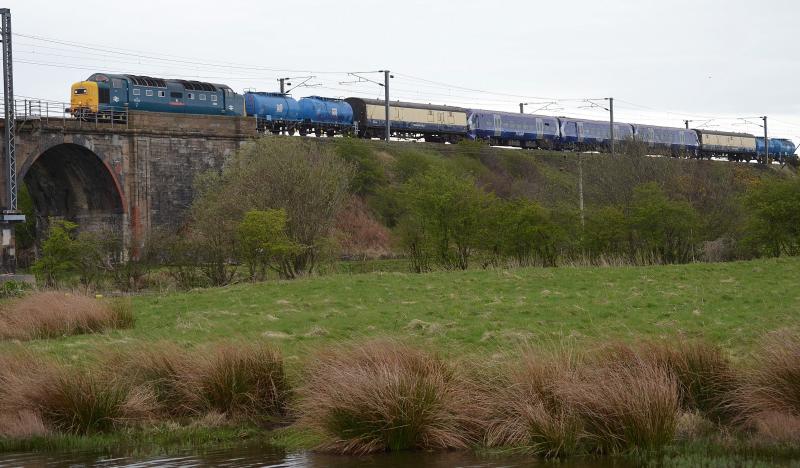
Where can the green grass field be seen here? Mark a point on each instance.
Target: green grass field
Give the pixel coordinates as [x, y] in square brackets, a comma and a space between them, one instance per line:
[476, 311]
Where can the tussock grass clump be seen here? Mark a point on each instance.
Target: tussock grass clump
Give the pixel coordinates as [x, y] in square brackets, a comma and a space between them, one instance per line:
[385, 396]
[768, 400]
[21, 425]
[624, 406]
[705, 376]
[525, 406]
[78, 402]
[165, 368]
[52, 314]
[242, 381]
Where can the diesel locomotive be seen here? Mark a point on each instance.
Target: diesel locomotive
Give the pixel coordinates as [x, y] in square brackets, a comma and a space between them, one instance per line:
[104, 95]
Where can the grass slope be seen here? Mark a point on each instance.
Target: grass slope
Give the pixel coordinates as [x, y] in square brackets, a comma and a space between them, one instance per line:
[473, 311]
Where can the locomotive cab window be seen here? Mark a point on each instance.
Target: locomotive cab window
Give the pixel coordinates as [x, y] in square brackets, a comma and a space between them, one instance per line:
[116, 83]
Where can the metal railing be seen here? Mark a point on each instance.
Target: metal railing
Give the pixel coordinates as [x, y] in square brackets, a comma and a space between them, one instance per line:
[54, 113]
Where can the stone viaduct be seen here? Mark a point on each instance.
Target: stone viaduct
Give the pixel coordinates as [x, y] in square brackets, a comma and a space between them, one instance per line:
[133, 176]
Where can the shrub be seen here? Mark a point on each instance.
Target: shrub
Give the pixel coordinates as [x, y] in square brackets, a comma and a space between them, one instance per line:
[665, 227]
[59, 253]
[624, 407]
[526, 408]
[774, 221]
[525, 232]
[54, 314]
[382, 396]
[369, 174]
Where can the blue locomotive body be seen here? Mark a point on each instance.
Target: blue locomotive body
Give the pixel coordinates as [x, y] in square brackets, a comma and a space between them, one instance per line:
[506, 128]
[591, 134]
[672, 141]
[133, 92]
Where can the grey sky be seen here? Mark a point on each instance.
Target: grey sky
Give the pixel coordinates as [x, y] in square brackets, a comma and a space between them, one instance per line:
[662, 60]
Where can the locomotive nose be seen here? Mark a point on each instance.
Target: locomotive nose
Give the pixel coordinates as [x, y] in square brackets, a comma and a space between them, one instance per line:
[84, 97]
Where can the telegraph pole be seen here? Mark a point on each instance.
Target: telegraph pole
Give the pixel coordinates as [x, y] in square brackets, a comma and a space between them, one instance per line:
[9, 215]
[766, 141]
[386, 77]
[611, 113]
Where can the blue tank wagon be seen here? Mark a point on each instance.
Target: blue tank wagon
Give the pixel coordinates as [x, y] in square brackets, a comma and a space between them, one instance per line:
[274, 112]
[510, 129]
[591, 134]
[105, 93]
[409, 120]
[320, 115]
[669, 141]
[778, 148]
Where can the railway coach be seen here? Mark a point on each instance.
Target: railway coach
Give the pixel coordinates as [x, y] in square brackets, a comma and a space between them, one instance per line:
[591, 134]
[409, 120]
[669, 141]
[734, 146]
[511, 129]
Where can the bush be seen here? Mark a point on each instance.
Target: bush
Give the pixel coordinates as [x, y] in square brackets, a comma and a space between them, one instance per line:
[524, 231]
[447, 212]
[369, 174]
[773, 227]
[264, 244]
[303, 178]
[666, 228]
[382, 396]
[59, 253]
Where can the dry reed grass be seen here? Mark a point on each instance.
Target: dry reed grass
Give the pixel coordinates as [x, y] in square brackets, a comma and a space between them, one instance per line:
[383, 395]
[525, 408]
[624, 405]
[768, 401]
[52, 314]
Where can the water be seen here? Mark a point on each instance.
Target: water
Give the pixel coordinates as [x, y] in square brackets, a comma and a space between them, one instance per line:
[270, 457]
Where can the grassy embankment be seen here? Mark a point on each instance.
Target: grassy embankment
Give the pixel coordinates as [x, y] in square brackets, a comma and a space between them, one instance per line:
[730, 304]
[457, 313]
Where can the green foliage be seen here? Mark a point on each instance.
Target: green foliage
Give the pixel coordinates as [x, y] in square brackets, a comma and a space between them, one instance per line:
[606, 232]
[447, 212]
[525, 231]
[59, 253]
[411, 162]
[11, 289]
[369, 172]
[264, 243]
[663, 227]
[773, 227]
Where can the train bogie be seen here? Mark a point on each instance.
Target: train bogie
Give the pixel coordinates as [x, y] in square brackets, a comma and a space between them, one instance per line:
[510, 129]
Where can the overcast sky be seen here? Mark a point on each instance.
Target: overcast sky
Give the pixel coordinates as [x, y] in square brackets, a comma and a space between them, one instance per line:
[663, 61]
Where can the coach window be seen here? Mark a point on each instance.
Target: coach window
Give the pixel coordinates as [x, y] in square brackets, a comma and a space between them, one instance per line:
[148, 92]
[162, 93]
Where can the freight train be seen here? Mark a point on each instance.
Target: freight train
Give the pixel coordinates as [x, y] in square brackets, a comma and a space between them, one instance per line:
[103, 94]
